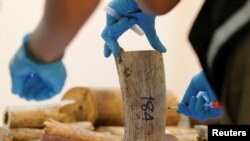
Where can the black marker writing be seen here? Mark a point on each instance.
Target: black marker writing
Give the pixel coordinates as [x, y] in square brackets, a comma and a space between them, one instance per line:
[147, 107]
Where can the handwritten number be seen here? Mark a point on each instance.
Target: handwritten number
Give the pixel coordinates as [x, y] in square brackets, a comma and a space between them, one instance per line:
[147, 108]
[147, 116]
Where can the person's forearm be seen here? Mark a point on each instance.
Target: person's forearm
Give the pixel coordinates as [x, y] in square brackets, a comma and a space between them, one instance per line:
[60, 23]
[157, 7]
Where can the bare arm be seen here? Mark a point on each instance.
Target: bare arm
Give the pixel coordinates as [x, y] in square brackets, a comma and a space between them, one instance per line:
[60, 23]
[157, 7]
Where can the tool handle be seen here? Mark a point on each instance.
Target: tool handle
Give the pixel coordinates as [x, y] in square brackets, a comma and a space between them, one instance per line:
[117, 16]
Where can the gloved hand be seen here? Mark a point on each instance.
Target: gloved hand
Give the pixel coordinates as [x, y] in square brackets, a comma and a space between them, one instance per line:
[193, 105]
[131, 15]
[35, 81]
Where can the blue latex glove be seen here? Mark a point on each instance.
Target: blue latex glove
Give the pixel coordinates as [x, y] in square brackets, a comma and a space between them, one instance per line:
[131, 15]
[193, 105]
[34, 81]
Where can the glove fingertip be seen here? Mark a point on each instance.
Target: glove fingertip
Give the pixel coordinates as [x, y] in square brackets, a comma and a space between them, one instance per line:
[40, 98]
[107, 52]
[22, 95]
[162, 49]
[179, 111]
[57, 89]
[17, 86]
[28, 98]
[107, 55]
[181, 108]
[15, 91]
